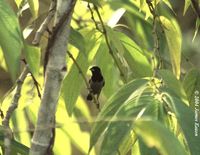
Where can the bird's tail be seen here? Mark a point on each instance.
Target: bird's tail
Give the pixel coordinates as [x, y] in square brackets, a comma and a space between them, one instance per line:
[89, 97]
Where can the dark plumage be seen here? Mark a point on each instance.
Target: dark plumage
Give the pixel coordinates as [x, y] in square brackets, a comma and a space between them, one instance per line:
[96, 82]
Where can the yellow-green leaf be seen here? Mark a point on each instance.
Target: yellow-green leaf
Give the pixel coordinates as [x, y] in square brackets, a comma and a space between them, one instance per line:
[34, 7]
[186, 6]
[156, 135]
[174, 41]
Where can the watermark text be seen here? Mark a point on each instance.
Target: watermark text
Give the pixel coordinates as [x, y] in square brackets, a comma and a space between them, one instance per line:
[196, 112]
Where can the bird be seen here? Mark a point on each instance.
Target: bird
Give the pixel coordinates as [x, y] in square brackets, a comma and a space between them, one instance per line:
[96, 82]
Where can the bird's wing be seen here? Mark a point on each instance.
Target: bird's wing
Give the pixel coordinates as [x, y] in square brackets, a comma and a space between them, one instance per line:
[103, 82]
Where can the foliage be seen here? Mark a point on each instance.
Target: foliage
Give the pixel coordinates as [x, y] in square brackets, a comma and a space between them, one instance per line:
[150, 102]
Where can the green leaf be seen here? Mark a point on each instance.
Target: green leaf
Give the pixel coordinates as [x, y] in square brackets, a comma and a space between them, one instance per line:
[174, 41]
[32, 56]
[115, 41]
[122, 123]
[135, 57]
[156, 135]
[171, 82]
[73, 82]
[34, 7]
[127, 143]
[113, 105]
[77, 40]
[186, 6]
[19, 123]
[11, 38]
[103, 57]
[117, 52]
[167, 2]
[187, 121]
[144, 149]
[191, 84]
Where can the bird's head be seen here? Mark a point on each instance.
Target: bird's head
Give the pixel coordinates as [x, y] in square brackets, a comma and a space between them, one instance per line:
[95, 69]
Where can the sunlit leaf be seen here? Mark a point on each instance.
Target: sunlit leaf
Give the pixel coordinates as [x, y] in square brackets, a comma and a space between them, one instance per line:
[2, 61]
[196, 28]
[156, 135]
[77, 40]
[27, 31]
[11, 38]
[116, 17]
[20, 127]
[34, 7]
[135, 57]
[18, 2]
[62, 138]
[174, 41]
[70, 127]
[186, 6]
[141, 3]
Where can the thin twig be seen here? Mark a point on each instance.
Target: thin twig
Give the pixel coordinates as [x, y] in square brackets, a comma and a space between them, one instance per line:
[84, 78]
[44, 25]
[104, 32]
[156, 52]
[37, 85]
[13, 106]
[93, 19]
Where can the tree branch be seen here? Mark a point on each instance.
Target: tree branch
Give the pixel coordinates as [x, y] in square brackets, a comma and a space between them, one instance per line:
[55, 68]
[13, 106]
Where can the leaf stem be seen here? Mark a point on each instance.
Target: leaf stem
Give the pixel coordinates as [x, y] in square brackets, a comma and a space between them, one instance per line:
[156, 48]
